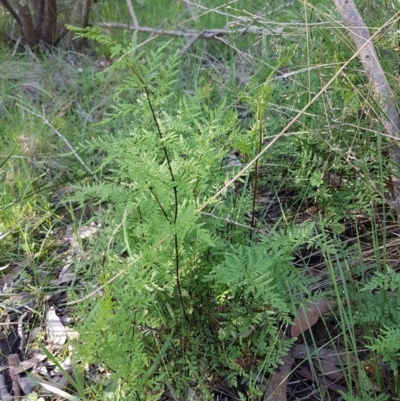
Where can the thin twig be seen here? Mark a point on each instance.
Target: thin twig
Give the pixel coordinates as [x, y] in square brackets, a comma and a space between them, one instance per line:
[189, 43]
[132, 13]
[233, 222]
[189, 10]
[21, 329]
[251, 17]
[206, 34]
[47, 122]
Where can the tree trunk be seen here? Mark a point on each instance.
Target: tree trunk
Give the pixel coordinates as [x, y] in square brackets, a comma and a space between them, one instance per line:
[38, 12]
[359, 33]
[86, 7]
[50, 22]
[27, 26]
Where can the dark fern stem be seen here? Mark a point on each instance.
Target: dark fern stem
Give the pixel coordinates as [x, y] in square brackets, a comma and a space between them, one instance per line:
[260, 140]
[140, 221]
[175, 184]
[159, 204]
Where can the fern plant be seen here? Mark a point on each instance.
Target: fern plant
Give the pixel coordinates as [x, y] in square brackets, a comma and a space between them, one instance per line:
[198, 302]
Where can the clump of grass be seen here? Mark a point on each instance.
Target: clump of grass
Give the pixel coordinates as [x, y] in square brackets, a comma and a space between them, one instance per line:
[47, 102]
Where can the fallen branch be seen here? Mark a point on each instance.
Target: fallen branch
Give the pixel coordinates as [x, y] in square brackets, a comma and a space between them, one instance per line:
[189, 10]
[206, 34]
[359, 32]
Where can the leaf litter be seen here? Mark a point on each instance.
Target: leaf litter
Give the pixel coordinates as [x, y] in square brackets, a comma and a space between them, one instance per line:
[26, 372]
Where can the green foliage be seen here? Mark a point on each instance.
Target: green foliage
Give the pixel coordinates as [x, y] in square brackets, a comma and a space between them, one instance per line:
[200, 284]
[389, 281]
[197, 298]
[387, 346]
[380, 308]
[379, 303]
[201, 298]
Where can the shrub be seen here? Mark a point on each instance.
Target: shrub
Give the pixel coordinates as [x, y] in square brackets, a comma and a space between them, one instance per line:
[198, 302]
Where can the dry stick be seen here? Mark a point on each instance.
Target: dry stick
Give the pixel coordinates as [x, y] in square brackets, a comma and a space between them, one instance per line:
[300, 113]
[206, 34]
[189, 10]
[229, 221]
[44, 119]
[189, 43]
[4, 394]
[132, 13]
[359, 32]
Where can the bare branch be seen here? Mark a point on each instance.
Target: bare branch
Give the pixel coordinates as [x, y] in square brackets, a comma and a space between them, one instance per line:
[7, 6]
[189, 43]
[359, 32]
[206, 34]
[189, 10]
[132, 13]
[229, 221]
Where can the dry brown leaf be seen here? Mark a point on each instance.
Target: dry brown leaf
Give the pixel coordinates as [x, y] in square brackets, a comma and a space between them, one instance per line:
[13, 364]
[55, 329]
[329, 370]
[26, 384]
[67, 366]
[277, 384]
[4, 394]
[30, 363]
[65, 278]
[306, 372]
[308, 314]
[339, 358]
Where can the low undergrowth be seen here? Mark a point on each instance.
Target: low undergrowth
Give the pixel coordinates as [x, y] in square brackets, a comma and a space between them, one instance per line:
[199, 286]
[191, 285]
[231, 205]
